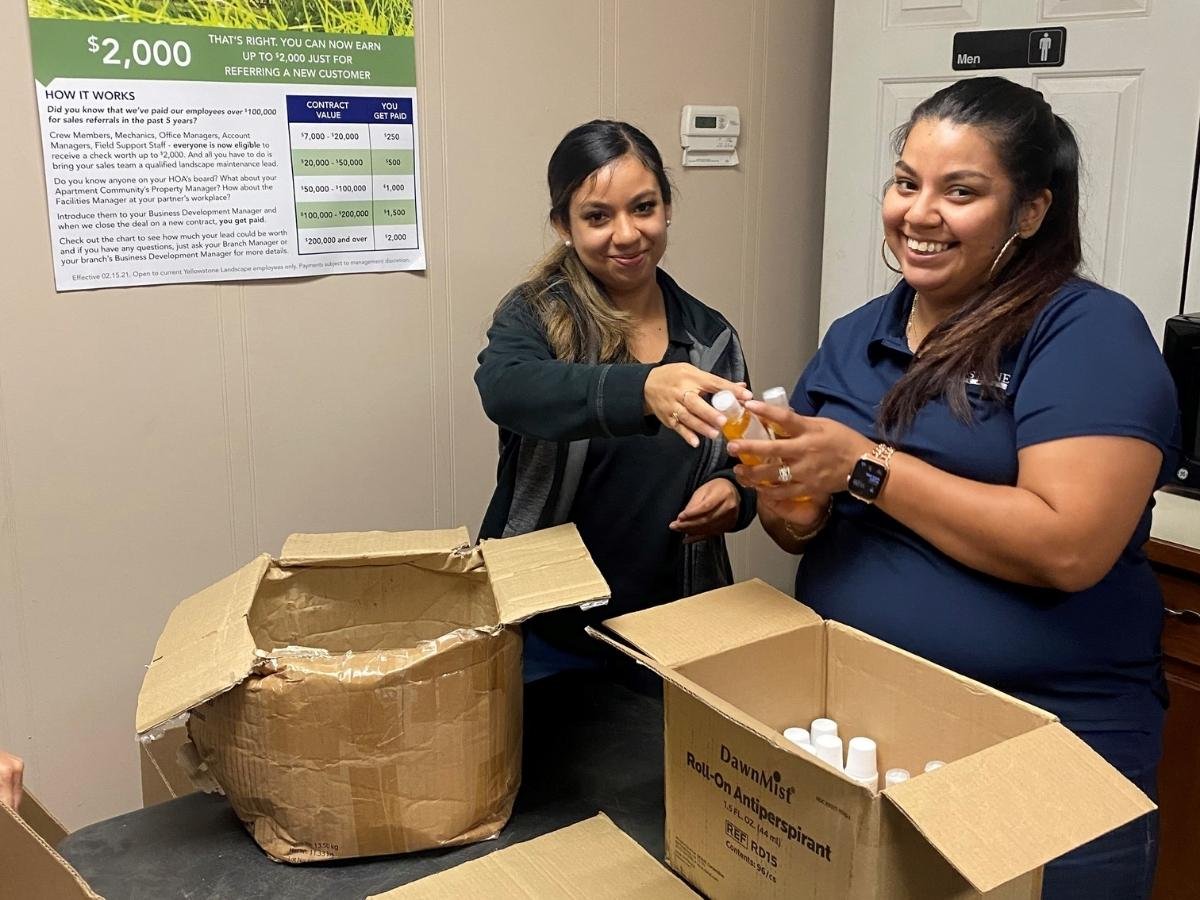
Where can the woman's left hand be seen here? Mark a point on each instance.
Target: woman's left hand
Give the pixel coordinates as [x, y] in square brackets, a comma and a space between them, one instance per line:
[711, 511]
[819, 455]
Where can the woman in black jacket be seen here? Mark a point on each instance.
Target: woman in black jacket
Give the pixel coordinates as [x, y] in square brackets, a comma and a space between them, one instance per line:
[590, 366]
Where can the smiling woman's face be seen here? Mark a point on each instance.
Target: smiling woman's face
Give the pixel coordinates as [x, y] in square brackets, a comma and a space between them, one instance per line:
[618, 225]
[949, 210]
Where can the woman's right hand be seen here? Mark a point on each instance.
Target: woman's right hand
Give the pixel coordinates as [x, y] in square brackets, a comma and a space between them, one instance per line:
[674, 394]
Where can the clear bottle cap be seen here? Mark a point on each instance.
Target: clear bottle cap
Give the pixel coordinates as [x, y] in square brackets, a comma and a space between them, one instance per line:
[822, 726]
[829, 748]
[860, 759]
[933, 764]
[797, 735]
[775, 396]
[895, 776]
[724, 402]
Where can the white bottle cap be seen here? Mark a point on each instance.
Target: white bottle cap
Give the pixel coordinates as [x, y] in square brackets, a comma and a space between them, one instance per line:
[725, 403]
[775, 396]
[797, 735]
[933, 764]
[895, 776]
[829, 748]
[860, 761]
[822, 726]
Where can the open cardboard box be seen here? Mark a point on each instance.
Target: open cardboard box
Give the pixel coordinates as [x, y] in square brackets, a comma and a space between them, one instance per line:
[30, 868]
[362, 694]
[591, 860]
[751, 815]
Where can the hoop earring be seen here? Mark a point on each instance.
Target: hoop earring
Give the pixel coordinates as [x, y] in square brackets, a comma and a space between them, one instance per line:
[1000, 255]
[883, 253]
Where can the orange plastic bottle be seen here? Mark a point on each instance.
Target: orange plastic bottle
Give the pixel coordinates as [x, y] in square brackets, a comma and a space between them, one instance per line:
[739, 423]
[776, 396]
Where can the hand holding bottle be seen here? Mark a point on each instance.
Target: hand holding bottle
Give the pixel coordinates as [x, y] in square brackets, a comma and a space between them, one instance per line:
[817, 458]
[674, 395]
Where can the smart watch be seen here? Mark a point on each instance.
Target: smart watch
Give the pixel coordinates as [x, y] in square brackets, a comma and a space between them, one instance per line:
[869, 473]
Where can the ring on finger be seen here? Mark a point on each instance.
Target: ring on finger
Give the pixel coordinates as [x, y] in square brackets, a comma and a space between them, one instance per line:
[674, 417]
[785, 474]
[683, 399]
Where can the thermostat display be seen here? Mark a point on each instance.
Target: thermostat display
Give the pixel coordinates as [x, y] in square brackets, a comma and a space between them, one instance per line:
[708, 135]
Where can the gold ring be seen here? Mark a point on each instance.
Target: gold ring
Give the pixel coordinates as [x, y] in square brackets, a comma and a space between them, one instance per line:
[674, 417]
[785, 474]
[683, 399]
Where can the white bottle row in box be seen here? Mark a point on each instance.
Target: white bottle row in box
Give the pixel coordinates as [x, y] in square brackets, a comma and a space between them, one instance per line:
[354, 187]
[822, 740]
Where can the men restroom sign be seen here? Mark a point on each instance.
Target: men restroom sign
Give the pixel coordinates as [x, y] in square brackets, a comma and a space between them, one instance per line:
[1014, 48]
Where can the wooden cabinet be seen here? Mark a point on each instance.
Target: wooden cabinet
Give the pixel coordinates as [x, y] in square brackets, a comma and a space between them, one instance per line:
[1178, 570]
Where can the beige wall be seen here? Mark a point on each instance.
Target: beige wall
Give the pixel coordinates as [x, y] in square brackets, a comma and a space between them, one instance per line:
[153, 439]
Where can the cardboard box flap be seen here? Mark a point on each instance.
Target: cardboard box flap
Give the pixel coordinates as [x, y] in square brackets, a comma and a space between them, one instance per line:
[542, 571]
[39, 818]
[378, 547]
[705, 624]
[721, 706]
[31, 869]
[205, 648]
[592, 860]
[1006, 810]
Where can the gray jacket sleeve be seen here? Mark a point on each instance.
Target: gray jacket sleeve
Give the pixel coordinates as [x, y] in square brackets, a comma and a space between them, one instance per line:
[527, 391]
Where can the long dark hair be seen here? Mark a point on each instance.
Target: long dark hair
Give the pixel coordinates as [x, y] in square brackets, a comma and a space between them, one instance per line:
[1038, 151]
[581, 323]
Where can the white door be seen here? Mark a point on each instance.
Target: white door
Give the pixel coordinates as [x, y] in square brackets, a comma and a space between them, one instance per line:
[1129, 86]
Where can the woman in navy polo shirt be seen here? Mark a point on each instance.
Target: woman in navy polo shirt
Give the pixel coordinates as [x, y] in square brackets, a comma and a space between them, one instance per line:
[1001, 424]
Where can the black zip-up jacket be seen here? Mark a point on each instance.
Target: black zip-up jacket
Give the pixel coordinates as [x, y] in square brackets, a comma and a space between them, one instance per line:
[548, 410]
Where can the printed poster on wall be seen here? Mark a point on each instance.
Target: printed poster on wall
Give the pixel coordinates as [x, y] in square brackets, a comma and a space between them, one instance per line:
[196, 140]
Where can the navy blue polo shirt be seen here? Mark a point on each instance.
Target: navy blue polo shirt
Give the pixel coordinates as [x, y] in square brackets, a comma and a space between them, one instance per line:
[1088, 366]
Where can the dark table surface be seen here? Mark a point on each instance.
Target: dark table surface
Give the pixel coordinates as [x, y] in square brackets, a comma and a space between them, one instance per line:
[590, 746]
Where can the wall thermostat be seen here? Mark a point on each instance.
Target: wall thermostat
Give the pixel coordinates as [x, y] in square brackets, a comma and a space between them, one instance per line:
[708, 135]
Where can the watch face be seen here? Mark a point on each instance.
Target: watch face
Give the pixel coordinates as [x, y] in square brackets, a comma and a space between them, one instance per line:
[867, 479]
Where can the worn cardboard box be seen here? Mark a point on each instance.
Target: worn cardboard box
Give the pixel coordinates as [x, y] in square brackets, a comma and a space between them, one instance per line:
[750, 815]
[164, 775]
[30, 869]
[591, 860]
[361, 694]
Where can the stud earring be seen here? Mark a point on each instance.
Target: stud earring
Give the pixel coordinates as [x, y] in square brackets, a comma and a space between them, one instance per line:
[883, 252]
[566, 243]
[1016, 235]
[668, 223]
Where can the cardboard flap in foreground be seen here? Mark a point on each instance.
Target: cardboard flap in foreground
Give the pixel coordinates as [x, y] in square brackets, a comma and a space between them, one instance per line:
[700, 626]
[29, 867]
[1006, 810]
[205, 649]
[593, 860]
[38, 818]
[542, 571]
[382, 547]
